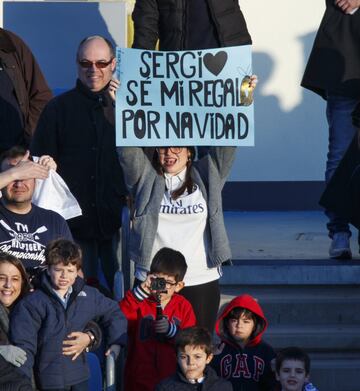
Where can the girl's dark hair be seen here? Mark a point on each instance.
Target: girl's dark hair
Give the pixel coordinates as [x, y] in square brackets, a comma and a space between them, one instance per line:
[25, 284]
[194, 336]
[188, 183]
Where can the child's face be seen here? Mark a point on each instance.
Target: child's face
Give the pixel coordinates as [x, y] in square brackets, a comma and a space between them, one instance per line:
[62, 276]
[192, 361]
[292, 375]
[240, 329]
[171, 287]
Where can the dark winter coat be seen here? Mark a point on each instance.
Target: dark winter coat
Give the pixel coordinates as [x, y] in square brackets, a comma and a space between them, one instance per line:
[166, 20]
[11, 378]
[39, 324]
[178, 382]
[248, 368]
[334, 62]
[31, 89]
[77, 129]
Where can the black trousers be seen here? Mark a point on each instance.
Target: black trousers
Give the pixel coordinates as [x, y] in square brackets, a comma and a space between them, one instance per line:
[205, 300]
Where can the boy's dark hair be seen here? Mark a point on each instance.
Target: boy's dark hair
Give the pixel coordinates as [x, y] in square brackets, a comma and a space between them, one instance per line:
[194, 336]
[237, 312]
[12, 153]
[63, 251]
[169, 261]
[292, 353]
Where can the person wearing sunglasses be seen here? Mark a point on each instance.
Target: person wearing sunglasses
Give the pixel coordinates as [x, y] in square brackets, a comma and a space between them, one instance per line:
[177, 204]
[77, 129]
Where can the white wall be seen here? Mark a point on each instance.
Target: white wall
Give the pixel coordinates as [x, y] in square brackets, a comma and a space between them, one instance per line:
[53, 31]
[290, 123]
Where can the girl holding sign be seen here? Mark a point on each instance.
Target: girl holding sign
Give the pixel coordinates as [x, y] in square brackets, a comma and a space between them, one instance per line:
[178, 204]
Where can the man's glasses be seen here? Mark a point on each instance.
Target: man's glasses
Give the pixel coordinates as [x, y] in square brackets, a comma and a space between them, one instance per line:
[98, 64]
[175, 150]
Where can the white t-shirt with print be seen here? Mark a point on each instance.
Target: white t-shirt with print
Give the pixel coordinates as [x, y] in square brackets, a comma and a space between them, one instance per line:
[181, 227]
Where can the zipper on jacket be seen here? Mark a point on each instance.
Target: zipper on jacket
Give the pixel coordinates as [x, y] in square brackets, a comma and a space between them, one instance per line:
[183, 30]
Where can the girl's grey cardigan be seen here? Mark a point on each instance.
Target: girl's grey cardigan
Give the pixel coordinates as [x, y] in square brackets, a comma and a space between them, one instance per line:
[147, 188]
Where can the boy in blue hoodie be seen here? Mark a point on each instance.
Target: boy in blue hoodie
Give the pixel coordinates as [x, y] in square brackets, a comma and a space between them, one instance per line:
[62, 304]
[243, 358]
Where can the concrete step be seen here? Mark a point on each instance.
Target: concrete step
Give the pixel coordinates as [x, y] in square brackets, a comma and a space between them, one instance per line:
[325, 338]
[300, 271]
[338, 372]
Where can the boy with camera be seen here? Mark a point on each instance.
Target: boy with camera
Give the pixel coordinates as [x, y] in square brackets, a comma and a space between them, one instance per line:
[155, 313]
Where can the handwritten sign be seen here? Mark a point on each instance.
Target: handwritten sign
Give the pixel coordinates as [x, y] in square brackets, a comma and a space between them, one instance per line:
[198, 97]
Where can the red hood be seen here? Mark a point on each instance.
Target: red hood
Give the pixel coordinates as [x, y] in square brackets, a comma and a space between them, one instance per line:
[248, 302]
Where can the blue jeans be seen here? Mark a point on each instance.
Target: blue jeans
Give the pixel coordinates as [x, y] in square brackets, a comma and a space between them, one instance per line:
[341, 132]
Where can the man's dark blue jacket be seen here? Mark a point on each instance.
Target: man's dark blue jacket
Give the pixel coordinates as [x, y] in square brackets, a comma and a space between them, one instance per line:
[39, 324]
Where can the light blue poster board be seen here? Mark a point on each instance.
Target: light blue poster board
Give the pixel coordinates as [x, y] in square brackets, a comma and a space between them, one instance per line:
[198, 97]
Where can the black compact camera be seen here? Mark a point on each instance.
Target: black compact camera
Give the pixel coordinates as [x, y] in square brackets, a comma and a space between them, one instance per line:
[158, 284]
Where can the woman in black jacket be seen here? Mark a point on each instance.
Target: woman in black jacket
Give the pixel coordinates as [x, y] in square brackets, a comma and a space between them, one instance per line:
[13, 285]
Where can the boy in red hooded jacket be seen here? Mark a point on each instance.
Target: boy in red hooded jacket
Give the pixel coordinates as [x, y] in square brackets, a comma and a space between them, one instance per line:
[243, 358]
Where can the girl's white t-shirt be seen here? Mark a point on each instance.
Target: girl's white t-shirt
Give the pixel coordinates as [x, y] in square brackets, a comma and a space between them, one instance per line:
[181, 227]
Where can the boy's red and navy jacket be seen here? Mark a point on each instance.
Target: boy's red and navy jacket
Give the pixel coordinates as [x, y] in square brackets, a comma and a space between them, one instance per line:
[149, 359]
[247, 368]
[39, 324]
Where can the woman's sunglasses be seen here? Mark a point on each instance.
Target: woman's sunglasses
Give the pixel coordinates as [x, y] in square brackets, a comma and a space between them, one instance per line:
[175, 150]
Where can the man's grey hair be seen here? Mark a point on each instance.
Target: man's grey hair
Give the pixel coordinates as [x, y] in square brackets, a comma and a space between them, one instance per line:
[90, 38]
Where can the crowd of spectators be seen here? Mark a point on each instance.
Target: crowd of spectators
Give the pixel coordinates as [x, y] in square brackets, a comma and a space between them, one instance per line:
[175, 336]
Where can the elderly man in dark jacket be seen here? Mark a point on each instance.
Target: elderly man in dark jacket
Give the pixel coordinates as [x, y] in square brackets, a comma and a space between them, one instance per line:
[333, 71]
[23, 91]
[77, 129]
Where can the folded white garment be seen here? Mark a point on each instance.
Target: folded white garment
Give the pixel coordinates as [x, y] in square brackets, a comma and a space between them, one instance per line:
[53, 193]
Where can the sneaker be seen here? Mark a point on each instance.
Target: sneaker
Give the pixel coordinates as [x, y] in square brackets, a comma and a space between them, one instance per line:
[340, 246]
